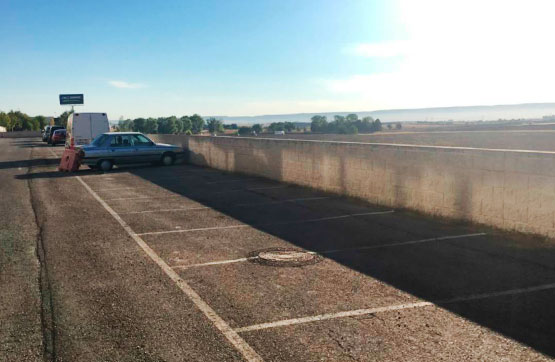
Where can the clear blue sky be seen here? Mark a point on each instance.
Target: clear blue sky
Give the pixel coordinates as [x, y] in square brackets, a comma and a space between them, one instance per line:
[147, 58]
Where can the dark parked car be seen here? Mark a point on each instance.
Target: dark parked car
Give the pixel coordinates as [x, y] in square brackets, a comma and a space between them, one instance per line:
[51, 132]
[45, 133]
[59, 136]
[118, 148]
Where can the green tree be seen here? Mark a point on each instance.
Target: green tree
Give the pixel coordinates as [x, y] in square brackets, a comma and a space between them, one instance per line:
[139, 125]
[243, 131]
[187, 124]
[41, 120]
[289, 126]
[62, 120]
[234, 126]
[257, 128]
[214, 125]
[197, 123]
[398, 125]
[352, 117]
[319, 124]
[377, 125]
[167, 125]
[151, 126]
[125, 126]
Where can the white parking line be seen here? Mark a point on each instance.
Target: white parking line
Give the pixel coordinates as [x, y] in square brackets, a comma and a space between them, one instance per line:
[117, 188]
[321, 317]
[237, 205]
[239, 343]
[268, 224]
[166, 210]
[207, 192]
[358, 312]
[228, 181]
[323, 252]
[282, 201]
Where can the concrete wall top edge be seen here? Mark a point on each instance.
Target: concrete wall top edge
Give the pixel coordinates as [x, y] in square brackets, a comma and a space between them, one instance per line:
[377, 145]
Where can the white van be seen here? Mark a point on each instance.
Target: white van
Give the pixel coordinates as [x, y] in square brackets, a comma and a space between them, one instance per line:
[82, 128]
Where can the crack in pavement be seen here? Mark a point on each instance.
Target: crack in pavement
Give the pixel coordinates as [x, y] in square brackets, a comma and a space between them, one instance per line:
[48, 324]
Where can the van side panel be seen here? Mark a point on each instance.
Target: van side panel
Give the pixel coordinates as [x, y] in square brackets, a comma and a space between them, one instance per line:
[99, 124]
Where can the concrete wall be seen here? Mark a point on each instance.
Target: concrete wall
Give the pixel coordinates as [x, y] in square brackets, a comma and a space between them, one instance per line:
[20, 134]
[514, 190]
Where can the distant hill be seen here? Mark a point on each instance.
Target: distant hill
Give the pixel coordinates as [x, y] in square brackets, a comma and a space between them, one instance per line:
[470, 113]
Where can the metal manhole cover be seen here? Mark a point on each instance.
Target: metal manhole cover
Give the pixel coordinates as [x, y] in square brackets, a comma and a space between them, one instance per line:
[284, 257]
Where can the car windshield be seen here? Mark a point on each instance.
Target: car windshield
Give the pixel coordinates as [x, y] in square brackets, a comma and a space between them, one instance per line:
[99, 140]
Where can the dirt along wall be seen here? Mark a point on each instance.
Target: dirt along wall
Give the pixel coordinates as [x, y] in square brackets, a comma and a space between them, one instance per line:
[513, 190]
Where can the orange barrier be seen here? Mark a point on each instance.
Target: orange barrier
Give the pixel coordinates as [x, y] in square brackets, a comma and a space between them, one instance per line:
[71, 160]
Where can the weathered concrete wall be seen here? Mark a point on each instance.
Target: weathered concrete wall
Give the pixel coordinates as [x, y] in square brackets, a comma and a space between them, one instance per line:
[513, 190]
[20, 134]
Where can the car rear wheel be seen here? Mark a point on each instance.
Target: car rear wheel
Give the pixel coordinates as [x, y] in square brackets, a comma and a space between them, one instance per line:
[168, 159]
[105, 165]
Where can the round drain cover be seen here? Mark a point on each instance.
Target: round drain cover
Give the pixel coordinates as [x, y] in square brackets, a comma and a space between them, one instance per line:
[283, 257]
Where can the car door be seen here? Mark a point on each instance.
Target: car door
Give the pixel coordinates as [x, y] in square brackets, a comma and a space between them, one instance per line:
[121, 149]
[145, 149]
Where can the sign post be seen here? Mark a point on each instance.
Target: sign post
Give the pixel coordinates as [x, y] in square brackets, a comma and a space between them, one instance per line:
[71, 99]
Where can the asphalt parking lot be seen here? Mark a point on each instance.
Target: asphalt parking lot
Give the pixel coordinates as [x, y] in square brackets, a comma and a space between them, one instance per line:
[189, 263]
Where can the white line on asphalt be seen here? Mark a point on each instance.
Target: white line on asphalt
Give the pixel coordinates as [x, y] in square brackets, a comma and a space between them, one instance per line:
[208, 192]
[166, 210]
[197, 229]
[237, 205]
[213, 263]
[117, 188]
[143, 198]
[358, 312]
[282, 201]
[227, 181]
[402, 243]
[268, 224]
[323, 252]
[321, 317]
[239, 343]
[265, 188]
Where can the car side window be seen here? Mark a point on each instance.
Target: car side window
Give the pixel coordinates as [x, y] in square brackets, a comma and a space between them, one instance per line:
[121, 141]
[140, 140]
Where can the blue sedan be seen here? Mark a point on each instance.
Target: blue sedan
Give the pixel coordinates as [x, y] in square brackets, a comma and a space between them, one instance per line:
[119, 148]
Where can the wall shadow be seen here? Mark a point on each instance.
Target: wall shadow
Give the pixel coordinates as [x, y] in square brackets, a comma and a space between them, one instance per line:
[436, 272]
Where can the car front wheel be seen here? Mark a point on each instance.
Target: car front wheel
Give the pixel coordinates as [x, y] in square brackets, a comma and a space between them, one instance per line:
[105, 165]
[168, 159]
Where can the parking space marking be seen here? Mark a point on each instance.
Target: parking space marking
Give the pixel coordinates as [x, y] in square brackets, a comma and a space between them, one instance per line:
[230, 261]
[143, 198]
[229, 181]
[282, 201]
[196, 229]
[321, 317]
[236, 205]
[359, 312]
[323, 252]
[166, 210]
[269, 224]
[402, 243]
[232, 336]
[117, 188]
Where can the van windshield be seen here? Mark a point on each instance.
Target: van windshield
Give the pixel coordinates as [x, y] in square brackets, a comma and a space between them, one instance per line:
[99, 140]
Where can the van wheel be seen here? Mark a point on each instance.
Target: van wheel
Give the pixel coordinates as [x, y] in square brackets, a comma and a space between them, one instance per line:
[105, 165]
[168, 159]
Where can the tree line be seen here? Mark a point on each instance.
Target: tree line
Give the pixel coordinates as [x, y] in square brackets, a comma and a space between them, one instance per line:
[168, 125]
[349, 124]
[18, 121]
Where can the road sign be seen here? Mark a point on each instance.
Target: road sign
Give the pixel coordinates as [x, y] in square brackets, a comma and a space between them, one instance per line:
[71, 99]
